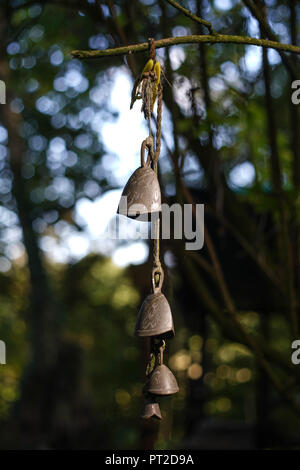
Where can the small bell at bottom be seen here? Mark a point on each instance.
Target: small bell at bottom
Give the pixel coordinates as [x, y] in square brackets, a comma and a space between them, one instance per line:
[151, 410]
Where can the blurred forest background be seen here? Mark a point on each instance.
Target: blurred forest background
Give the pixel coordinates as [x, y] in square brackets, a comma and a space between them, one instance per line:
[74, 371]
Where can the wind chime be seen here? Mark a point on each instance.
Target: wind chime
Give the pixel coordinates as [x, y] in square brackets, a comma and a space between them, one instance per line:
[143, 199]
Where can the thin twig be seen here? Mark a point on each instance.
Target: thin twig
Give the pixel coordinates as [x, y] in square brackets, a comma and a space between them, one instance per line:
[249, 340]
[263, 21]
[189, 14]
[213, 307]
[284, 243]
[249, 249]
[120, 31]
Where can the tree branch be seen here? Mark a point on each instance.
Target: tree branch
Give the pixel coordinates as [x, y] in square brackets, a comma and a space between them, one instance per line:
[193, 39]
[189, 14]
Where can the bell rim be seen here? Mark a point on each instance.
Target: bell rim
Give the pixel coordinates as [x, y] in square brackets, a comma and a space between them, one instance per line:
[168, 333]
[155, 416]
[133, 215]
[165, 393]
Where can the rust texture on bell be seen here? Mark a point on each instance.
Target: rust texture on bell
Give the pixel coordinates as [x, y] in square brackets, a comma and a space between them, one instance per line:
[141, 195]
[155, 317]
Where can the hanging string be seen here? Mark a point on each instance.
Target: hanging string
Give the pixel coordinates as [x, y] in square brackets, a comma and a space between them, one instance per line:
[151, 46]
[156, 245]
[150, 88]
[158, 127]
[157, 268]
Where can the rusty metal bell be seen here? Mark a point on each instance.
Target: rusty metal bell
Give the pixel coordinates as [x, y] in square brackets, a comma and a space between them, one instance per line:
[162, 381]
[155, 316]
[151, 409]
[141, 196]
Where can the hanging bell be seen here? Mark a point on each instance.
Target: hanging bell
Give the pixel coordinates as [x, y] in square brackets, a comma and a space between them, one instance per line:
[161, 381]
[141, 195]
[151, 409]
[155, 316]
